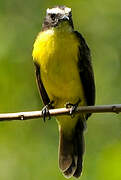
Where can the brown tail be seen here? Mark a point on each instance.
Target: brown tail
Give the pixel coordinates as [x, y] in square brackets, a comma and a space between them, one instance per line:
[71, 151]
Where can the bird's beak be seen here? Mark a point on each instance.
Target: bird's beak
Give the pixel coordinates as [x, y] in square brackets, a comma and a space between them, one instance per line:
[65, 18]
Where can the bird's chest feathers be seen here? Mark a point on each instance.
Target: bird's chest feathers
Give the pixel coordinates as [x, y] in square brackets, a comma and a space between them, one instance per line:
[57, 55]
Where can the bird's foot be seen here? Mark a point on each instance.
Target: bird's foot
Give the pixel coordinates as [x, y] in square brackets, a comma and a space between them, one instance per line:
[45, 110]
[73, 107]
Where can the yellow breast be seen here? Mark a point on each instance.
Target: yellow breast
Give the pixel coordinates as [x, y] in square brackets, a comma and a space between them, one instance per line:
[57, 54]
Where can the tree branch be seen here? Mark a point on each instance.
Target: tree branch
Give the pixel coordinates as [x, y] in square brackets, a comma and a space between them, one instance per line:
[116, 108]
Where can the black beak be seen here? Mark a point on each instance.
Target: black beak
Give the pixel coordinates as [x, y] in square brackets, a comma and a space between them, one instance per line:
[65, 18]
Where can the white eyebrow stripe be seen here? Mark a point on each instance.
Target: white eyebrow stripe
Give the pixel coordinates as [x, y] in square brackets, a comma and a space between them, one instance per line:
[55, 11]
[58, 10]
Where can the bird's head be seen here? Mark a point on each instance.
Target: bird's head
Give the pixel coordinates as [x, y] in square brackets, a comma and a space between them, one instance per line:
[58, 16]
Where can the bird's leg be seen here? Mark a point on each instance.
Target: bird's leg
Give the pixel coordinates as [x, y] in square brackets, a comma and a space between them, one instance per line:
[45, 110]
[73, 106]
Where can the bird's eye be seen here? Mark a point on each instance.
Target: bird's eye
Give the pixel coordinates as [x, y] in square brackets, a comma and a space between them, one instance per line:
[53, 16]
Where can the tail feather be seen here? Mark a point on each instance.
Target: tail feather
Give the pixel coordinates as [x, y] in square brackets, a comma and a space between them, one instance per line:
[67, 157]
[65, 152]
[71, 151]
[71, 170]
[80, 146]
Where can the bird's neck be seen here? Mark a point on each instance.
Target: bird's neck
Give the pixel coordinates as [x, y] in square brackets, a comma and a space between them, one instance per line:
[63, 27]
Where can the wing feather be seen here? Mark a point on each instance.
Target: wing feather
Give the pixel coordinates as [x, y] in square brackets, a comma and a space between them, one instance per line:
[41, 88]
[86, 71]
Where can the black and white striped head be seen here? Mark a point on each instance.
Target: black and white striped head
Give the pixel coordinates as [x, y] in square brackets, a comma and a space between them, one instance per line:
[56, 16]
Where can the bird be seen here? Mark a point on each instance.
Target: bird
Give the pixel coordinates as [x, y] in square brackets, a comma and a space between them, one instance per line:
[65, 77]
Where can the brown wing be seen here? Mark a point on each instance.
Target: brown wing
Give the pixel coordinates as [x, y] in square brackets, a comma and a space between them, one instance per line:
[42, 90]
[86, 71]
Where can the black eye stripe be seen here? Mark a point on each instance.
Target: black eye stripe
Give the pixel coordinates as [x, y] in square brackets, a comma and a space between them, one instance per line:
[53, 16]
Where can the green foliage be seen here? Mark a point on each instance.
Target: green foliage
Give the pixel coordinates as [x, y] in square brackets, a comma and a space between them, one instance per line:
[28, 150]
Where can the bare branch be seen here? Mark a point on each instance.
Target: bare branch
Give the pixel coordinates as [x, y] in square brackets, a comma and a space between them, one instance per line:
[116, 108]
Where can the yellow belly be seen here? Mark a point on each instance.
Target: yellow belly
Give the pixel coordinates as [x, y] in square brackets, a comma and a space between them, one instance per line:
[57, 55]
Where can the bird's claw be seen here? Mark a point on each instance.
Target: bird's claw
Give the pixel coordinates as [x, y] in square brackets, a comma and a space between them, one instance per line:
[73, 107]
[45, 111]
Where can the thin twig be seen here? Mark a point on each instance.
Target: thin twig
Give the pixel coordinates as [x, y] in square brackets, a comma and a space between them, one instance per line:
[116, 108]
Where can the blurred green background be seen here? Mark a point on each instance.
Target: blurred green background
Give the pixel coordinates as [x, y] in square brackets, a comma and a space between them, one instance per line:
[29, 149]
